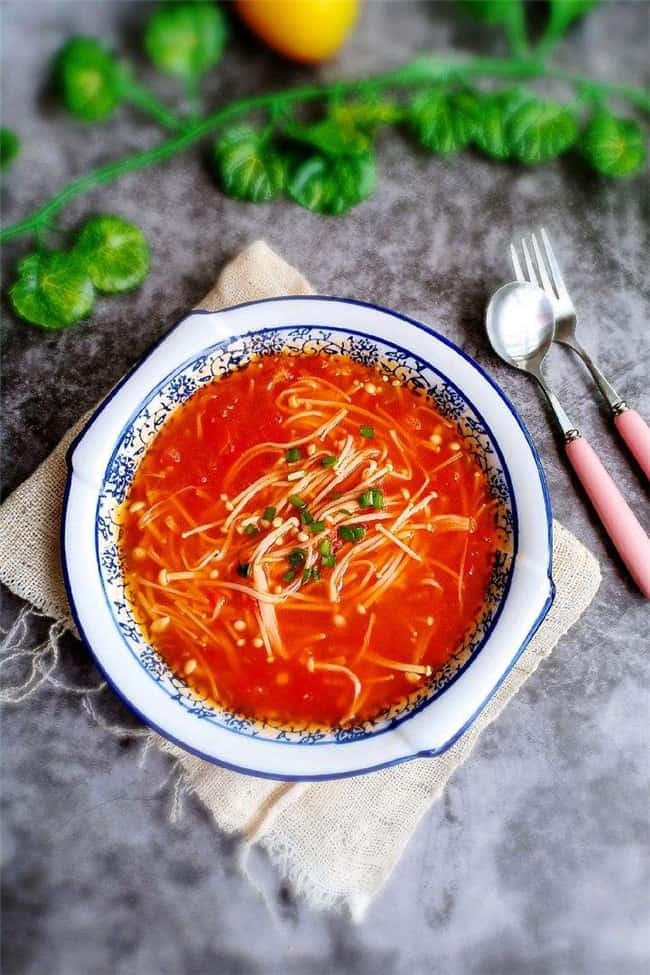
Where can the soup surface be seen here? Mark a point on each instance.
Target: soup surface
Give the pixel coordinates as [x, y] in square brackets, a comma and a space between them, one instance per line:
[306, 541]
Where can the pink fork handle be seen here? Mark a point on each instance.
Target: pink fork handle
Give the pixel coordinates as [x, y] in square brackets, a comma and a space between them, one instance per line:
[636, 434]
[620, 523]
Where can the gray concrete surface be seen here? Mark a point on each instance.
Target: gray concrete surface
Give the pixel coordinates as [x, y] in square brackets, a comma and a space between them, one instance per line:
[536, 861]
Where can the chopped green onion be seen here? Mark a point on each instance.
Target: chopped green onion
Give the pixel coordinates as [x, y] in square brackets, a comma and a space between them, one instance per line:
[367, 432]
[344, 511]
[297, 557]
[297, 501]
[250, 529]
[372, 499]
[269, 513]
[317, 527]
[289, 575]
[311, 575]
[293, 454]
[352, 533]
[328, 461]
[244, 569]
[328, 557]
[306, 517]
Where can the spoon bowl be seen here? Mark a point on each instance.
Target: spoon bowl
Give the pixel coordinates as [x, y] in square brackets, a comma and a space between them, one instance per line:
[520, 325]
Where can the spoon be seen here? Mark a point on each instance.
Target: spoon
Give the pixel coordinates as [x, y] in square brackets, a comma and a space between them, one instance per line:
[520, 325]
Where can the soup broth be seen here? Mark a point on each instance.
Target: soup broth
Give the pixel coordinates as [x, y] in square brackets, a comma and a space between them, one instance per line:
[306, 541]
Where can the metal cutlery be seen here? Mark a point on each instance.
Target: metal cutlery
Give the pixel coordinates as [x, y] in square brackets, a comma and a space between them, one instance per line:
[630, 425]
[520, 323]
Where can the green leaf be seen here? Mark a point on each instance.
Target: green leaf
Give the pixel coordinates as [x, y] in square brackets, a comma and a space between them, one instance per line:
[247, 166]
[332, 184]
[114, 253]
[445, 122]
[563, 12]
[52, 290]
[540, 130]
[90, 79]
[185, 39]
[491, 135]
[613, 146]
[9, 147]
[330, 138]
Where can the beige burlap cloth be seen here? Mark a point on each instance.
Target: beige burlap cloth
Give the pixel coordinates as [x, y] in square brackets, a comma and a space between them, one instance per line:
[335, 842]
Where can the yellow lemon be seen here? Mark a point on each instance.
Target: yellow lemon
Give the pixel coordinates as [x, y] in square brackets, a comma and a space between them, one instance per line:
[303, 30]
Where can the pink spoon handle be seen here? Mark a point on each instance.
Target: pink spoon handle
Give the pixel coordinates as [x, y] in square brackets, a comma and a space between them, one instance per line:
[636, 434]
[620, 523]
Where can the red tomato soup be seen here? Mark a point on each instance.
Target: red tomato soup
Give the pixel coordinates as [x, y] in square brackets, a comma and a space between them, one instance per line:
[306, 541]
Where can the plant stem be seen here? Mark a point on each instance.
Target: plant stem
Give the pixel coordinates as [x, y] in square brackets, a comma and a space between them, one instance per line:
[420, 72]
[105, 174]
[515, 27]
[522, 69]
[143, 99]
[193, 95]
[556, 27]
[548, 40]
[639, 97]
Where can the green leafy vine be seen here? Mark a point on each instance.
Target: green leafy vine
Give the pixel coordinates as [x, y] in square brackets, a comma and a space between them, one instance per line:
[265, 148]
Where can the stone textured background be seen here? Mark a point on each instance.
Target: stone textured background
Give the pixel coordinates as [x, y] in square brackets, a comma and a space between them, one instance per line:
[536, 861]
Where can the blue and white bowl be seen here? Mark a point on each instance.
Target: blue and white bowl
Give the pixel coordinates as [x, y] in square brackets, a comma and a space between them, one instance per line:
[103, 461]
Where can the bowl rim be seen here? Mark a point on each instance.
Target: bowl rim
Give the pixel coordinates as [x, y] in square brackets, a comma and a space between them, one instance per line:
[66, 556]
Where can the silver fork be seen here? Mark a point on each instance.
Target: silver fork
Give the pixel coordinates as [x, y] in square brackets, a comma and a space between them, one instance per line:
[545, 273]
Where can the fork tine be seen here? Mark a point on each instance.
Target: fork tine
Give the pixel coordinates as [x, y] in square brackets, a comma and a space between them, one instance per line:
[532, 275]
[556, 274]
[516, 266]
[543, 273]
